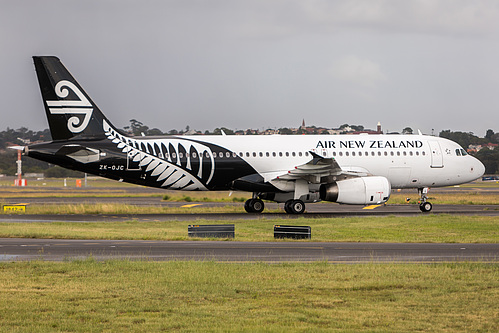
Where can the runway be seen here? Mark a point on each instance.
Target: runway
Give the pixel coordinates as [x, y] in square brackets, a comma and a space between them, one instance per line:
[13, 249]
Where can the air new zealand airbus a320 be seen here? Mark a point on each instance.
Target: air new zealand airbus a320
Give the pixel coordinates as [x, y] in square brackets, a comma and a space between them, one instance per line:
[348, 169]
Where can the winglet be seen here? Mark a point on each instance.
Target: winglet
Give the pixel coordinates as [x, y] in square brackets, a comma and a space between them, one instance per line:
[316, 157]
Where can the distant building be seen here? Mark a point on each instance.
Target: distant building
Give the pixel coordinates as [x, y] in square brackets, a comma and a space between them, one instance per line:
[476, 148]
[368, 131]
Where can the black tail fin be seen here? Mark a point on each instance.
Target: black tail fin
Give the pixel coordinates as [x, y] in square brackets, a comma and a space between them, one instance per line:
[70, 111]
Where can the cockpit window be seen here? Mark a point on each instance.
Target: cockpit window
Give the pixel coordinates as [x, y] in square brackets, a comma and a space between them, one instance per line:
[458, 152]
[463, 152]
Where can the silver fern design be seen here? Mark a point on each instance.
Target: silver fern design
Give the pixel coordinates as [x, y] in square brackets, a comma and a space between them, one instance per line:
[177, 164]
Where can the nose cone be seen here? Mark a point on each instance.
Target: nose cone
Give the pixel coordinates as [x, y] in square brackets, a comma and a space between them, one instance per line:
[477, 168]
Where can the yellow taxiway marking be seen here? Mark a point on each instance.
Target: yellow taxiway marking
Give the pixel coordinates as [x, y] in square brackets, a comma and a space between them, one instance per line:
[189, 206]
[371, 207]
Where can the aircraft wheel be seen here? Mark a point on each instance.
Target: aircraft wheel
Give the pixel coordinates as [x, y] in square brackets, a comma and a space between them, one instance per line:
[294, 207]
[254, 206]
[247, 206]
[425, 207]
[257, 205]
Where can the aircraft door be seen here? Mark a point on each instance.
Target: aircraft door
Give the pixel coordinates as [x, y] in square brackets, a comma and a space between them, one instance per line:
[133, 160]
[437, 160]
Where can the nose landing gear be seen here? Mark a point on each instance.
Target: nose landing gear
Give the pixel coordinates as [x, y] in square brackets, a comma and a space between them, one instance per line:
[424, 205]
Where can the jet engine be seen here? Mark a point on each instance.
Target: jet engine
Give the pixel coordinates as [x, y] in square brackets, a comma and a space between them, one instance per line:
[357, 191]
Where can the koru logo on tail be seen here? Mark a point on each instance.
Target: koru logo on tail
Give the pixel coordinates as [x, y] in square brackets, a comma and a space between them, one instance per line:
[80, 107]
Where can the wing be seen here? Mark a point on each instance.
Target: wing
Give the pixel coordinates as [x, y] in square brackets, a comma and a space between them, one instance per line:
[321, 170]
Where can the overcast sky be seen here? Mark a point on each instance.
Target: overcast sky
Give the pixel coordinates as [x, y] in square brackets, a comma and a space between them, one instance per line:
[425, 64]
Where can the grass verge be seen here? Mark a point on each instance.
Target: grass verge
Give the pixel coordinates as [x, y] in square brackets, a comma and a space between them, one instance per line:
[458, 198]
[419, 229]
[88, 296]
[116, 208]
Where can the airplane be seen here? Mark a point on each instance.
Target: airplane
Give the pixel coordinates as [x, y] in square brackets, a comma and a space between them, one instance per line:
[347, 169]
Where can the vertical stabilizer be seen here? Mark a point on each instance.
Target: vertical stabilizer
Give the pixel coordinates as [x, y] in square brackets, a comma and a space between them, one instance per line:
[70, 111]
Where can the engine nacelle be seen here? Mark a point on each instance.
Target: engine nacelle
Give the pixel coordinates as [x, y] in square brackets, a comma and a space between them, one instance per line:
[357, 191]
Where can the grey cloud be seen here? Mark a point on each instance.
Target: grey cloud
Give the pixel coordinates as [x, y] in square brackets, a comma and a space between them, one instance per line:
[240, 64]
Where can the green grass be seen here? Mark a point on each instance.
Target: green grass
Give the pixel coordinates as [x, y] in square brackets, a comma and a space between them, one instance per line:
[457, 198]
[70, 182]
[116, 208]
[84, 296]
[421, 229]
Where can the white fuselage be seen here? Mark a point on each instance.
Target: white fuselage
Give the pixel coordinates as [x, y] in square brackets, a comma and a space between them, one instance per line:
[407, 161]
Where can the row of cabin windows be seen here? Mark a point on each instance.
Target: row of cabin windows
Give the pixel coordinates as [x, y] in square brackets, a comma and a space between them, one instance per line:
[385, 153]
[299, 154]
[275, 154]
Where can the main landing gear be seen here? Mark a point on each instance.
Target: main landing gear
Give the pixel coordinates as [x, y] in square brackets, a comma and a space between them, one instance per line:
[294, 206]
[424, 205]
[256, 205]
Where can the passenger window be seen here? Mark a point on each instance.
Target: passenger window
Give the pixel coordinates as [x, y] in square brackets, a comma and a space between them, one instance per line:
[221, 154]
[386, 153]
[293, 154]
[353, 153]
[346, 154]
[287, 154]
[254, 154]
[227, 154]
[340, 153]
[398, 153]
[247, 154]
[417, 153]
[299, 154]
[334, 153]
[274, 154]
[280, 154]
[267, 154]
[410, 153]
[261, 154]
[423, 153]
[306, 153]
[372, 153]
[379, 153]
